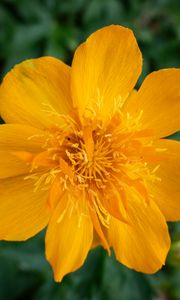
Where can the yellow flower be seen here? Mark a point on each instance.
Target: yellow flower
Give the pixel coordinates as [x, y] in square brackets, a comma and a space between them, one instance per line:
[83, 153]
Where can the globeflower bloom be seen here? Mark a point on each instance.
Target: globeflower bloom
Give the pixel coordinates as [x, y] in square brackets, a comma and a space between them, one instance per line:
[84, 154]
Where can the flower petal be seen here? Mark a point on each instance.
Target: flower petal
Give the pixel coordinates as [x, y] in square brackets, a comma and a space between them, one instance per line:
[69, 237]
[11, 166]
[144, 242]
[159, 99]
[21, 138]
[166, 192]
[23, 212]
[35, 91]
[105, 69]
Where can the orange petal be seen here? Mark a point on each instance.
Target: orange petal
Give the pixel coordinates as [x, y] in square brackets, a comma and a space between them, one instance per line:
[159, 99]
[166, 192]
[104, 71]
[98, 230]
[116, 203]
[96, 240]
[55, 193]
[23, 212]
[11, 166]
[69, 236]
[21, 138]
[35, 92]
[141, 244]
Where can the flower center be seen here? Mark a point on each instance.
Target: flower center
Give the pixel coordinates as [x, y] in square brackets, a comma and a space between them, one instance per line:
[91, 157]
[100, 162]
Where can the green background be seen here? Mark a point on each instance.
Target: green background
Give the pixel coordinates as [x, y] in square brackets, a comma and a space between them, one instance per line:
[33, 28]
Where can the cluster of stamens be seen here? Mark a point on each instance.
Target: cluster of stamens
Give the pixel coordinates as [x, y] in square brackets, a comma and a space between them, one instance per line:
[100, 161]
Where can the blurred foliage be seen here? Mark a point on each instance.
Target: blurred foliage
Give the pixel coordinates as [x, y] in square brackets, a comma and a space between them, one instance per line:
[32, 28]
